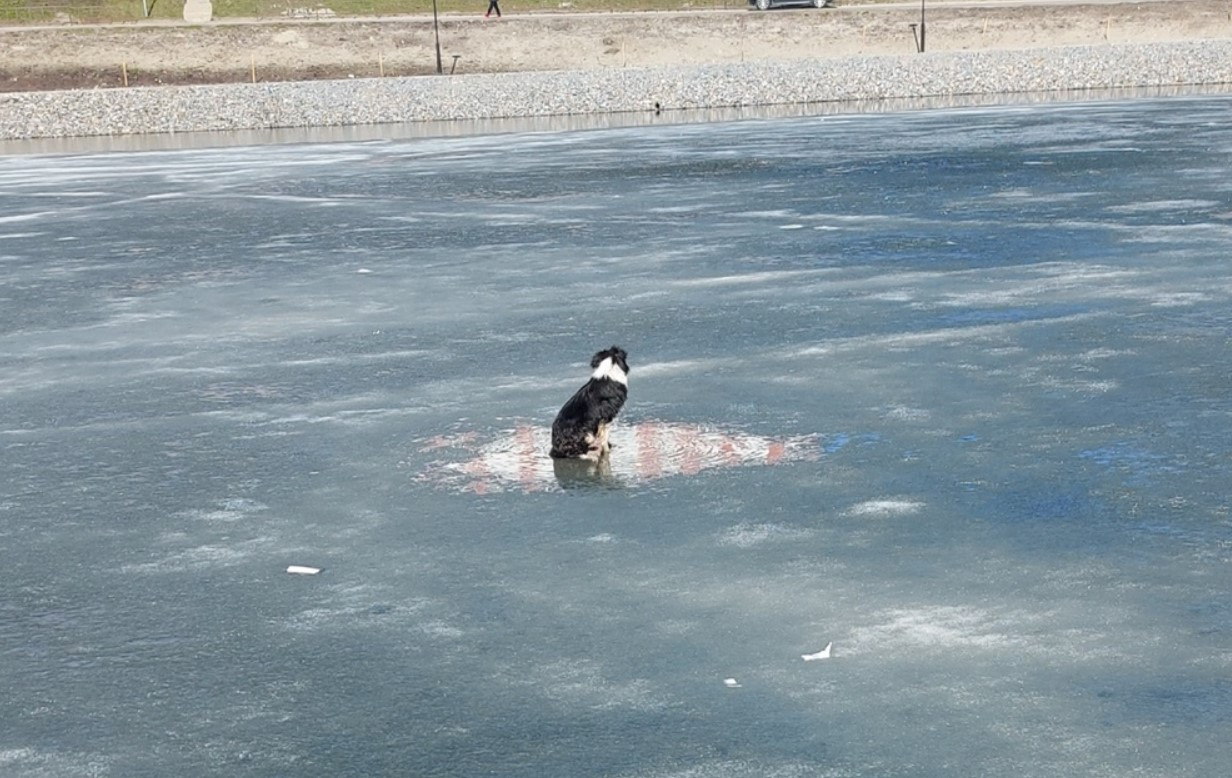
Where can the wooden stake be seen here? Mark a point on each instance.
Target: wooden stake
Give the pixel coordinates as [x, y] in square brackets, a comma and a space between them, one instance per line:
[124, 72]
[252, 65]
[380, 63]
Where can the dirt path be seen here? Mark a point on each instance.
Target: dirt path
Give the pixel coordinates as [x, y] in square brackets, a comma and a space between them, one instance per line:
[89, 57]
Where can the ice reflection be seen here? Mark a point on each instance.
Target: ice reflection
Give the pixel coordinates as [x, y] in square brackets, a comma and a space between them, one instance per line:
[517, 459]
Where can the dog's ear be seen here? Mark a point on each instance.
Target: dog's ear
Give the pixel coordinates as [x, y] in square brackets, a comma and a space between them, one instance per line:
[617, 355]
[620, 357]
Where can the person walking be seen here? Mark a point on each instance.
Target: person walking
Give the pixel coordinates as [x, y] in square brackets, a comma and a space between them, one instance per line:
[493, 5]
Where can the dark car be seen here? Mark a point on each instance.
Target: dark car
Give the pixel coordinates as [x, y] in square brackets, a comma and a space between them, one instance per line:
[765, 5]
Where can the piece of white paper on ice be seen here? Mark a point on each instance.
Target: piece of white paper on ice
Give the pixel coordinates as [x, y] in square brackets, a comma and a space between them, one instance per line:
[731, 683]
[822, 654]
[303, 570]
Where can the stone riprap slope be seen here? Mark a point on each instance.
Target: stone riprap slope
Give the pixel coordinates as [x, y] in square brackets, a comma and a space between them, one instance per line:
[175, 109]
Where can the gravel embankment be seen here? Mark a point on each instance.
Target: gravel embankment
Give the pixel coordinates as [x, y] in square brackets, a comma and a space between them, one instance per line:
[433, 98]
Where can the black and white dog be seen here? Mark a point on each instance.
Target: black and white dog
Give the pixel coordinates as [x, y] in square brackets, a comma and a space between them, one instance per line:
[580, 429]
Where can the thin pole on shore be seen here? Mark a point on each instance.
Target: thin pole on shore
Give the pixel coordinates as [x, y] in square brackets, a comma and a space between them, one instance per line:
[252, 67]
[436, 31]
[380, 63]
[124, 73]
[921, 26]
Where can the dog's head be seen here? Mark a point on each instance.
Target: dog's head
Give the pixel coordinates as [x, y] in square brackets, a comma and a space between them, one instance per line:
[618, 356]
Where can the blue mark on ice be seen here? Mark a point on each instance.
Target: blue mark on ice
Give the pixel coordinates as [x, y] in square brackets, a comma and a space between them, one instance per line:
[1138, 463]
[836, 443]
[1044, 505]
[841, 440]
[1177, 701]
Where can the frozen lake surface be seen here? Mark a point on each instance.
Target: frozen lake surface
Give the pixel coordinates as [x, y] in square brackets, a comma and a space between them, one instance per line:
[949, 389]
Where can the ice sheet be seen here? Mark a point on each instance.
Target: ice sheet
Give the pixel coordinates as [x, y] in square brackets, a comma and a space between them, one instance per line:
[947, 388]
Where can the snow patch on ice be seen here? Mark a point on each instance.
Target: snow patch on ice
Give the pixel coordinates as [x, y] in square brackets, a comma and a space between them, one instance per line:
[885, 508]
[748, 535]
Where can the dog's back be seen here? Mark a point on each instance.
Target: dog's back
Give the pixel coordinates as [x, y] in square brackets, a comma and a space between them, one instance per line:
[580, 429]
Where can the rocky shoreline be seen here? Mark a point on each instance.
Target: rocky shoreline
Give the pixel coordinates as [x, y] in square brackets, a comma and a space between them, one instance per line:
[367, 101]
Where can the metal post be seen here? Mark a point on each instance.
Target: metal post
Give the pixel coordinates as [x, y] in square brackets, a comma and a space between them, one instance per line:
[921, 26]
[436, 30]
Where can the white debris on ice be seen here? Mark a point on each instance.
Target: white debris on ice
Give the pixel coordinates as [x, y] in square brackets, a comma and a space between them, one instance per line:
[822, 654]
